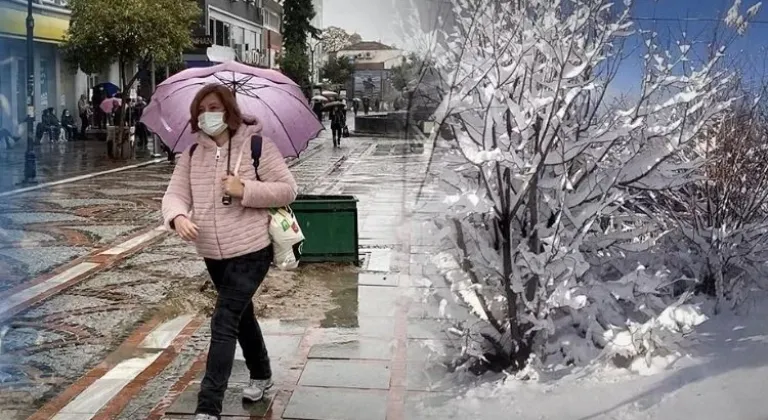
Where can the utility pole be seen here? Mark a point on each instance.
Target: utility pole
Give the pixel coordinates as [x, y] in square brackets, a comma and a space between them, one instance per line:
[30, 160]
[153, 83]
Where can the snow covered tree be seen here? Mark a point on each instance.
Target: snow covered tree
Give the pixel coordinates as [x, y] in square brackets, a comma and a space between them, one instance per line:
[720, 221]
[546, 208]
[336, 39]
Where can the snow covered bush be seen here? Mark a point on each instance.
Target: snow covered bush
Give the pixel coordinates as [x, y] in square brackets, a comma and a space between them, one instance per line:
[721, 220]
[548, 212]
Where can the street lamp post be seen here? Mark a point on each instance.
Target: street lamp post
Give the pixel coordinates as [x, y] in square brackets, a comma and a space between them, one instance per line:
[313, 61]
[30, 160]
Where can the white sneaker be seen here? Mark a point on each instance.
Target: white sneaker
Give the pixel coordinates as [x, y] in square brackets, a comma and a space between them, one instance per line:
[205, 417]
[255, 390]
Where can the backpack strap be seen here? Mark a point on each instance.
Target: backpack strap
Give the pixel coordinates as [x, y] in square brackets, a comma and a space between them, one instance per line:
[256, 142]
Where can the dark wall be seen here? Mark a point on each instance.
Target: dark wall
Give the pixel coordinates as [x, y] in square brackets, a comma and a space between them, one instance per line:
[238, 8]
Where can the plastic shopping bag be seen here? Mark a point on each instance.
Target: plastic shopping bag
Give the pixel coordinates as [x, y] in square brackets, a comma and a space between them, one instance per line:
[287, 238]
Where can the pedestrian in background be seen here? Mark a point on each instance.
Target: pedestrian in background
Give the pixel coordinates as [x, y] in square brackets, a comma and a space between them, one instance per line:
[230, 234]
[338, 122]
[83, 110]
[318, 109]
[68, 125]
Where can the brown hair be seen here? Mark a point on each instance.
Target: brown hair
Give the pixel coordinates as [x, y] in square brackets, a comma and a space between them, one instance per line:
[232, 115]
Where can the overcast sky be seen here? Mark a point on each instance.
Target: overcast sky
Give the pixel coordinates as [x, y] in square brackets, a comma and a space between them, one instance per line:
[372, 19]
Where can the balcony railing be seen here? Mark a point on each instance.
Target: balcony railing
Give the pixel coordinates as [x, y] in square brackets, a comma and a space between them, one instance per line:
[59, 3]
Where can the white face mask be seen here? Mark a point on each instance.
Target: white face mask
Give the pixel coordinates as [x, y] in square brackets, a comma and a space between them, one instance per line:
[212, 123]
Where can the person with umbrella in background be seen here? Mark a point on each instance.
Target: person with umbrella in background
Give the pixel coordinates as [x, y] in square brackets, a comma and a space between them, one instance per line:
[229, 226]
[317, 107]
[338, 117]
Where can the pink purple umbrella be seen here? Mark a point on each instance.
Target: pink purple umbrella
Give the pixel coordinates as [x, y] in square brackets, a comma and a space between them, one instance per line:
[108, 105]
[268, 95]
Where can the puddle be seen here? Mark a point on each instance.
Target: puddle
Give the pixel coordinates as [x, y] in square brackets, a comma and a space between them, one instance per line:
[344, 294]
[318, 292]
[187, 298]
[12, 373]
[126, 353]
[327, 293]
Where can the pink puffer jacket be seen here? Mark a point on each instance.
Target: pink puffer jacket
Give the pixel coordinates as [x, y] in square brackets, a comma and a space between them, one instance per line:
[196, 189]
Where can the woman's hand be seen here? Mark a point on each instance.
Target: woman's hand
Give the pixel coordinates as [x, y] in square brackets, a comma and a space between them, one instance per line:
[233, 186]
[185, 228]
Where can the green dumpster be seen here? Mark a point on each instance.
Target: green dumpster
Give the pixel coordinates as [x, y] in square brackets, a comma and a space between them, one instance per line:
[329, 224]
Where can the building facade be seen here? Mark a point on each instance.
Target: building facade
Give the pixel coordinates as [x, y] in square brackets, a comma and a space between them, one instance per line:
[228, 30]
[272, 33]
[54, 84]
[373, 64]
[317, 55]
[57, 85]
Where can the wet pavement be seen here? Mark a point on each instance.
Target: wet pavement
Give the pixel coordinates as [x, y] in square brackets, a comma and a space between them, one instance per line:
[56, 161]
[129, 340]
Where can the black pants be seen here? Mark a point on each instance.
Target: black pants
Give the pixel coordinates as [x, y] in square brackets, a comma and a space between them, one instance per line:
[336, 132]
[83, 125]
[141, 134]
[236, 280]
[70, 132]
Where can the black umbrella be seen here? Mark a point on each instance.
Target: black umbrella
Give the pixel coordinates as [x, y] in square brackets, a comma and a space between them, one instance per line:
[334, 104]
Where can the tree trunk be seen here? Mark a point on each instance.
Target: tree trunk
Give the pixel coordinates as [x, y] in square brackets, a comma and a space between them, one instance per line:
[122, 132]
[505, 226]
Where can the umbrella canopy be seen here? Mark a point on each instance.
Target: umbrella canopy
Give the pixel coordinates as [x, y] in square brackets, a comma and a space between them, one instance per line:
[320, 98]
[109, 89]
[110, 104]
[334, 104]
[330, 94]
[268, 95]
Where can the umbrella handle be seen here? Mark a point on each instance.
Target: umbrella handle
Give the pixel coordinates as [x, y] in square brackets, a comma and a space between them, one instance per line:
[227, 199]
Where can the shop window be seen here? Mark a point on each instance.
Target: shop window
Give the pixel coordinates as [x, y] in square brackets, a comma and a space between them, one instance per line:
[219, 37]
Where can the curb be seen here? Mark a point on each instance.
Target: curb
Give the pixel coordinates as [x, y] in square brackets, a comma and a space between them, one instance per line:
[79, 178]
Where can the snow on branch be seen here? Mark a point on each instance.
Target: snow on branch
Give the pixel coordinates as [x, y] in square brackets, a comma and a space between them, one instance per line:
[554, 179]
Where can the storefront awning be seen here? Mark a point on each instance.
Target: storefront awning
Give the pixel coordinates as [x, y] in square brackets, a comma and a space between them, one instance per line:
[47, 28]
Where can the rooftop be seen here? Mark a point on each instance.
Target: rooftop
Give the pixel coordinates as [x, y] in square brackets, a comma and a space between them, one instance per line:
[367, 46]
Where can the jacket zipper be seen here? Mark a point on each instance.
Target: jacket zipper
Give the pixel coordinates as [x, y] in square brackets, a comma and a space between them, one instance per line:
[215, 200]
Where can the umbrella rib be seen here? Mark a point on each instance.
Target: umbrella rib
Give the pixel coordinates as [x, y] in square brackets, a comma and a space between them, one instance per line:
[285, 130]
[179, 89]
[173, 149]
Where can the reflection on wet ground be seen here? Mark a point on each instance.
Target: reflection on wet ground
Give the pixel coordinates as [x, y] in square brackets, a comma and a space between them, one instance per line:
[56, 161]
[343, 340]
[372, 340]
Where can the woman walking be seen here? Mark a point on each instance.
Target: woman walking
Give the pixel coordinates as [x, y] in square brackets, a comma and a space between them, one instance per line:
[221, 206]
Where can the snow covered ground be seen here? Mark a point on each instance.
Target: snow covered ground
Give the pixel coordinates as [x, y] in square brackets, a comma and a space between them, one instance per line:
[724, 377]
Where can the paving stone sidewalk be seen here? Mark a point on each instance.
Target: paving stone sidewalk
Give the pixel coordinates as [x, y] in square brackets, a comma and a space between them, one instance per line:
[56, 341]
[379, 354]
[56, 161]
